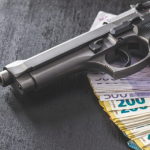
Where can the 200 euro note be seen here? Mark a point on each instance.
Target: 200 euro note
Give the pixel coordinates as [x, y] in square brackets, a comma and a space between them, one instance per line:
[128, 112]
[126, 104]
[138, 131]
[126, 115]
[129, 122]
[130, 115]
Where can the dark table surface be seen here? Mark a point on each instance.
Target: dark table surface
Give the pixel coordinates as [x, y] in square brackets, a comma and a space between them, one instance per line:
[66, 115]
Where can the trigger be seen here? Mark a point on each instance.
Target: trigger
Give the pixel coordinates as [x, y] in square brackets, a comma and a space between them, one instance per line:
[125, 54]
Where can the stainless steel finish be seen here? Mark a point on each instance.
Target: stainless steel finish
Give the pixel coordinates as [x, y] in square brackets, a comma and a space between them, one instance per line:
[75, 55]
[5, 78]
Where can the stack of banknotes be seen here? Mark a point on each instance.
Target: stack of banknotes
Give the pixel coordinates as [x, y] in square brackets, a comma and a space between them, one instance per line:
[127, 100]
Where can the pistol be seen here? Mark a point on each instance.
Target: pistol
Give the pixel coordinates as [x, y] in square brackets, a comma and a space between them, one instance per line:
[125, 35]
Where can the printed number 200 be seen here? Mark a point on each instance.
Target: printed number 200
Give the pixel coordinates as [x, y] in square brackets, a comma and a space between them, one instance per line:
[131, 103]
[135, 109]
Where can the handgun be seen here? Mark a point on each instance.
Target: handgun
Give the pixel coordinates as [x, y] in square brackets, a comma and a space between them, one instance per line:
[123, 36]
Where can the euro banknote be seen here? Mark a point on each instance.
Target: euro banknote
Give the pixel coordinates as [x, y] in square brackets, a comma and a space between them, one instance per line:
[126, 104]
[126, 100]
[122, 95]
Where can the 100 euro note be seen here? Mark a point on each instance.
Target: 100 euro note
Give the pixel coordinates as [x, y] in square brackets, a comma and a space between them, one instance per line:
[127, 100]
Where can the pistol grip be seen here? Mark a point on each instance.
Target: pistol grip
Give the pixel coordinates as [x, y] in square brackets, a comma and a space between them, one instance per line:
[103, 58]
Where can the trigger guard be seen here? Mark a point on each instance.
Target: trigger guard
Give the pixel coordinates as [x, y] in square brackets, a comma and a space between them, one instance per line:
[125, 54]
[102, 60]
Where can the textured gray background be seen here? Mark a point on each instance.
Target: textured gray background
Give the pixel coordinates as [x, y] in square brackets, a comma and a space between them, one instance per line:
[66, 115]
